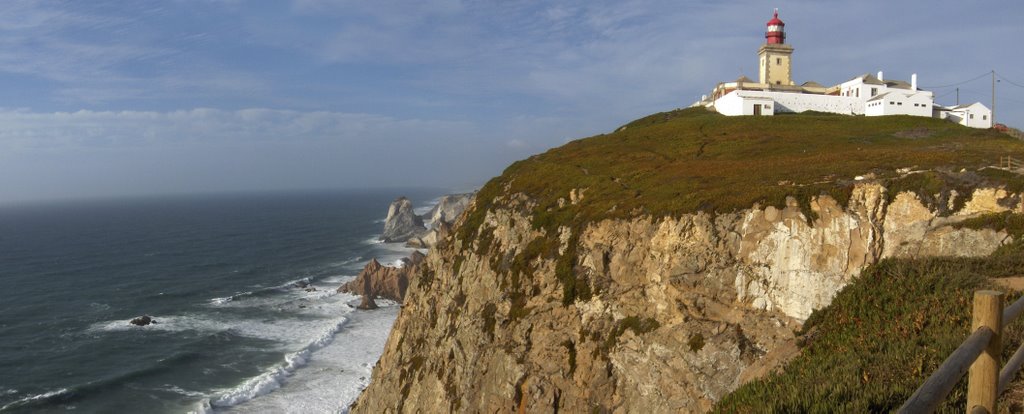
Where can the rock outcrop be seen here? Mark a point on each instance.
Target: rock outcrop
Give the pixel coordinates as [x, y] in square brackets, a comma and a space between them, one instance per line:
[387, 282]
[448, 208]
[441, 217]
[142, 320]
[647, 314]
[402, 223]
[367, 302]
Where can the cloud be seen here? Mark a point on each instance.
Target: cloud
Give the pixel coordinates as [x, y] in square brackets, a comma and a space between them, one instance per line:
[25, 130]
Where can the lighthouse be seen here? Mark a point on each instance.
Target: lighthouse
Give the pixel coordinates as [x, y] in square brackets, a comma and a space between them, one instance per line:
[775, 55]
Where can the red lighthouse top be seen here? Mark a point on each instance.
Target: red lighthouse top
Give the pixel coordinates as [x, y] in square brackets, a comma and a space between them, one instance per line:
[776, 30]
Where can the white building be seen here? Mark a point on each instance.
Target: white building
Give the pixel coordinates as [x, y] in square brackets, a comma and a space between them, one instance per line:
[742, 102]
[775, 92]
[973, 115]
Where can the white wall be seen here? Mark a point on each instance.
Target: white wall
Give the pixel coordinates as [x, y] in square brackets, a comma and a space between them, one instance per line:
[800, 102]
[975, 116]
[742, 103]
[901, 103]
[850, 89]
[789, 102]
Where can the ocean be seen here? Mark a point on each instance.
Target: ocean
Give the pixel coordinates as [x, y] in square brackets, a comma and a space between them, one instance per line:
[242, 288]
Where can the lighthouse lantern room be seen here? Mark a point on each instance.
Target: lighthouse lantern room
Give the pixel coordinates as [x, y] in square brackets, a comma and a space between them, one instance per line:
[775, 55]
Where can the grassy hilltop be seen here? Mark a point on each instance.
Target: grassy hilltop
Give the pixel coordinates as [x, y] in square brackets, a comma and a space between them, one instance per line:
[886, 332]
[692, 160]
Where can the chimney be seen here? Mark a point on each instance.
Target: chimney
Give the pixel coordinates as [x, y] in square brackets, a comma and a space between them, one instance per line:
[880, 76]
[913, 82]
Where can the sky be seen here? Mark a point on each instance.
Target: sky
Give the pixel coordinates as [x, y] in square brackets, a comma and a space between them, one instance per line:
[130, 98]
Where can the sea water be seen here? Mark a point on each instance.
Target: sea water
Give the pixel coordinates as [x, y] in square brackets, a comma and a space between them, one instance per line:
[242, 288]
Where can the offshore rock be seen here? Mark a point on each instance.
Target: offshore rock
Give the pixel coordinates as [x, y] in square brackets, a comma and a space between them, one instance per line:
[443, 214]
[401, 223]
[448, 208]
[388, 282]
[367, 302]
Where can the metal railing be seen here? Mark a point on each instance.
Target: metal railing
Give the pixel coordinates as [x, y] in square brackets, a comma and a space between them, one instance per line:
[979, 355]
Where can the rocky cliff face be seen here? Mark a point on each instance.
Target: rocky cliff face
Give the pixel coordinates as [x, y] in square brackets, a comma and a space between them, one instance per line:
[649, 314]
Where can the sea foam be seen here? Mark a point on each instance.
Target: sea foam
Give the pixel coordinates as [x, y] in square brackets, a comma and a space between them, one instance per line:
[274, 377]
[35, 398]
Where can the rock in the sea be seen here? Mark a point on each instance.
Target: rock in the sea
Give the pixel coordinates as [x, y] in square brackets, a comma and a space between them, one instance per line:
[438, 231]
[367, 302]
[449, 208]
[388, 282]
[142, 320]
[401, 223]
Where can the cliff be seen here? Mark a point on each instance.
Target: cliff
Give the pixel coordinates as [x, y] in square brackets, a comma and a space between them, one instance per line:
[658, 268]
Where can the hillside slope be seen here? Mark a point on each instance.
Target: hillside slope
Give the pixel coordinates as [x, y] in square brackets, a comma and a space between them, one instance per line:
[657, 268]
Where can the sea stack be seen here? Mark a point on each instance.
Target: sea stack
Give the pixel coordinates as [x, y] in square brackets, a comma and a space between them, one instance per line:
[388, 282]
[401, 223]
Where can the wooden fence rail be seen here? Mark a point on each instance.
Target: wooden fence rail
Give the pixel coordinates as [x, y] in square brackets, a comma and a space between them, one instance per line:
[1010, 163]
[979, 355]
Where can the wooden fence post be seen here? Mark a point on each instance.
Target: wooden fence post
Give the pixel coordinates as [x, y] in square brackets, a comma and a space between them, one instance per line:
[983, 380]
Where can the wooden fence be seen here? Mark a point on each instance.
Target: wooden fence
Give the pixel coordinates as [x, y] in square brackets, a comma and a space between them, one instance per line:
[980, 355]
[1010, 163]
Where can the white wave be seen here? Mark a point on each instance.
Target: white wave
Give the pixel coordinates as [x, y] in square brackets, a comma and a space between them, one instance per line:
[38, 397]
[170, 323]
[8, 392]
[297, 283]
[373, 240]
[274, 377]
[178, 390]
[202, 407]
[337, 374]
[99, 306]
[346, 262]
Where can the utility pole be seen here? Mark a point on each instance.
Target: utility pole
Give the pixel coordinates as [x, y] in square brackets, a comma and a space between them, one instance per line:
[993, 97]
[958, 96]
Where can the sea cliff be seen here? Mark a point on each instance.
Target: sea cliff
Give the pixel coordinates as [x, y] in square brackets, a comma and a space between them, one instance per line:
[615, 274]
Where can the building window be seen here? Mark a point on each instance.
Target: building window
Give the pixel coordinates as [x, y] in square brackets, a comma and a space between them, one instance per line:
[892, 103]
[858, 92]
[899, 103]
[984, 117]
[778, 61]
[874, 91]
[971, 116]
[778, 82]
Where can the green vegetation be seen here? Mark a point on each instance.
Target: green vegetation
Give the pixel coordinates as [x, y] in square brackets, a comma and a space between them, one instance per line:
[570, 347]
[882, 336]
[1010, 222]
[696, 342]
[691, 160]
[638, 325]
